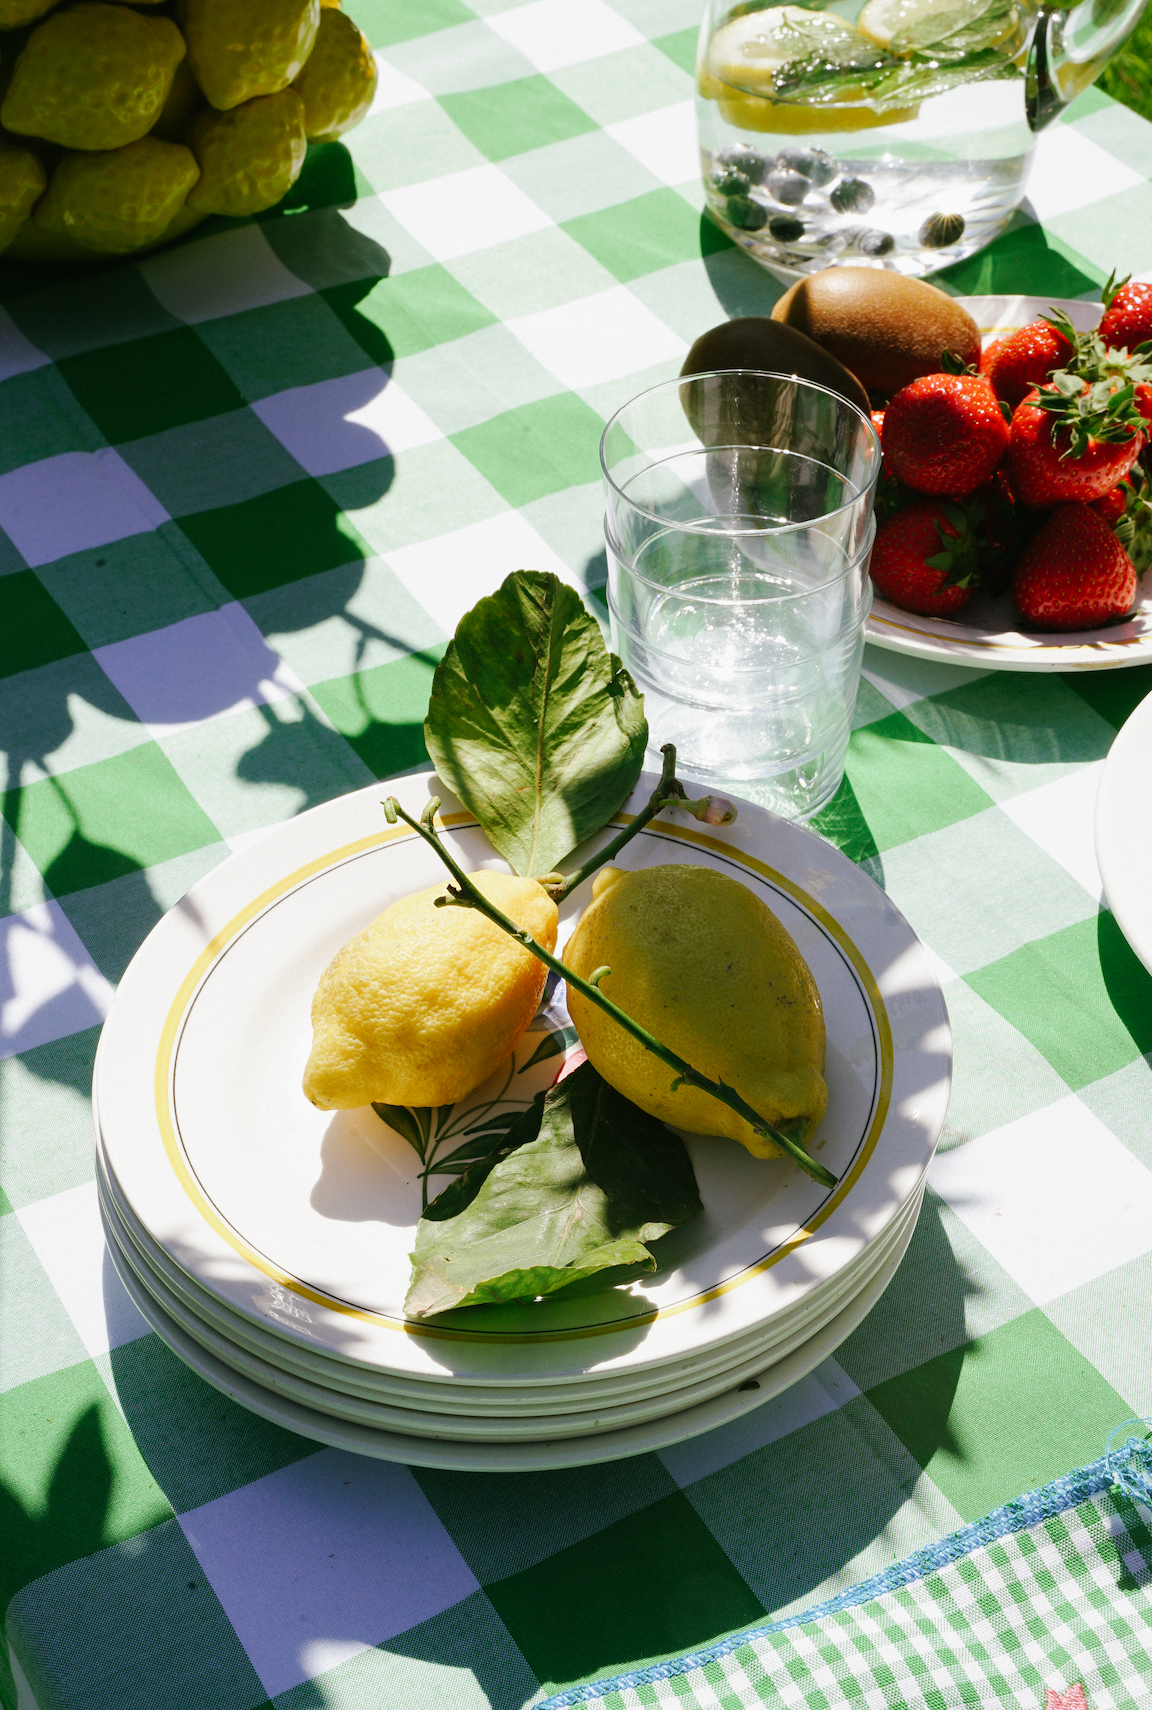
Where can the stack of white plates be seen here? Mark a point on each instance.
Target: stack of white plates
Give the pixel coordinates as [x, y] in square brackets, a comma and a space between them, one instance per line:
[268, 1243]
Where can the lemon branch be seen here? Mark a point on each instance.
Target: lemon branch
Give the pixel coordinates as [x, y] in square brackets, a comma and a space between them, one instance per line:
[465, 895]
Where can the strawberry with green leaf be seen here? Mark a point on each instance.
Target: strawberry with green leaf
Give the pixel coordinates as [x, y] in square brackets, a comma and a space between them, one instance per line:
[926, 558]
[1073, 440]
[1127, 319]
[1026, 358]
[1075, 575]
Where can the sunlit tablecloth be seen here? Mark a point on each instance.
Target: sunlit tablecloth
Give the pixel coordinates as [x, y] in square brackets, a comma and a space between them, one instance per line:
[249, 486]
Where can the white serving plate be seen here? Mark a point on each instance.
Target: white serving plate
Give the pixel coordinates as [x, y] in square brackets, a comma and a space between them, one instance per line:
[472, 1399]
[461, 1426]
[986, 633]
[513, 1457]
[1124, 830]
[302, 1221]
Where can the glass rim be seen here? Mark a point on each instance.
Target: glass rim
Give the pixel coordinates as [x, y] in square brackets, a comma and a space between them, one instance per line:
[762, 373]
[850, 563]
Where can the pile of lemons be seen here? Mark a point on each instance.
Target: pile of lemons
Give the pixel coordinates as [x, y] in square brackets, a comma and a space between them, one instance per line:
[123, 126]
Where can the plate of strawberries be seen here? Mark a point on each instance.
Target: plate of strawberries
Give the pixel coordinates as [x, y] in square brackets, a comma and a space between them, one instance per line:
[1014, 511]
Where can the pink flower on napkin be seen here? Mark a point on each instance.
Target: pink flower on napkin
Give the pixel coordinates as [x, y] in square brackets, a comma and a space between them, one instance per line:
[1073, 1699]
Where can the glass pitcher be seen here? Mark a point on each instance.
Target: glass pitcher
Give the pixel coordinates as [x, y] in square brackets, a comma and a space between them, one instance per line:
[893, 133]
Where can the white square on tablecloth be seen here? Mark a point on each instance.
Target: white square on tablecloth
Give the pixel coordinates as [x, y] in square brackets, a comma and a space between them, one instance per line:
[665, 142]
[1055, 1197]
[394, 88]
[465, 211]
[67, 1237]
[222, 275]
[556, 33]
[49, 985]
[821, 1392]
[1071, 171]
[337, 424]
[598, 338]
[71, 503]
[18, 355]
[196, 669]
[449, 574]
[1060, 817]
[324, 1559]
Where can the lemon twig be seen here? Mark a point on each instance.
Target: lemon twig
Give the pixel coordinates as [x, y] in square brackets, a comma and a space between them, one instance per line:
[466, 895]
[666, 792]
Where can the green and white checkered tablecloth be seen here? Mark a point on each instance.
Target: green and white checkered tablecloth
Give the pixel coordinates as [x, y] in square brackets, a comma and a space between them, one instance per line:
[247, 488]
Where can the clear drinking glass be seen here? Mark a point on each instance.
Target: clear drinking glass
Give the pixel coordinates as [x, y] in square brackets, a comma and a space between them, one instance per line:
[738, 526]
[896, 133]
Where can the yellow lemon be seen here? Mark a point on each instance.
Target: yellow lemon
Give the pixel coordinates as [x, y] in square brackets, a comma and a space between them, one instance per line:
[249, 157]
[242, 48]
[922, 24]
[22, 181]
[94, 77]
[427, 1002]
[705, 966]
[120, 200]
[745, 54]
[339, 80]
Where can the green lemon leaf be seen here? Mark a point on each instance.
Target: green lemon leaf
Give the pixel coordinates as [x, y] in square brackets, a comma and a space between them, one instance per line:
[533, 723]
[602, 1180]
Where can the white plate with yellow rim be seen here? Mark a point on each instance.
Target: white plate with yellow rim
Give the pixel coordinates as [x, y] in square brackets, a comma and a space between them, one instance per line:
[206, 1318]
[987, 633]
[544, 1456]
[302, 1221]
[518, 1425]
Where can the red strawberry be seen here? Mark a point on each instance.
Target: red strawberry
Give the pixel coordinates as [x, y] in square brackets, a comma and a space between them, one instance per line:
[1072, 441]
[1112, 506]
[1127, 318]
[1075, 575]
[924, 558]
[1026, 359]
[945, 433]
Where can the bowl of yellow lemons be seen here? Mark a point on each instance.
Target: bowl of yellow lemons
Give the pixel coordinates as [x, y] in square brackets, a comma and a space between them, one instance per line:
[122, 127]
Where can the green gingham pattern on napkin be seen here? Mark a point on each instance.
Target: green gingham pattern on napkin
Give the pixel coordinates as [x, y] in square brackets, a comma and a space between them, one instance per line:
[247, 488]
[1052, 1588]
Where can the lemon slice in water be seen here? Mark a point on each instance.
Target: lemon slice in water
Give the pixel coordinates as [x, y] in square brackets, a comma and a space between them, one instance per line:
[904, 25]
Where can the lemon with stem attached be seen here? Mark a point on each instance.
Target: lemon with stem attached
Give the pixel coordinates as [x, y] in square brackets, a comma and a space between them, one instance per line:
[705, 967]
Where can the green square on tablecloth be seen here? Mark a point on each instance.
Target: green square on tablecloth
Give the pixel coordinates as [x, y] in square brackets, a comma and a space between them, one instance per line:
[624, 85]
[133, 1627]
[1112, 233]
[206, 464]
[511, 118]
[131, 586]
[33, 629]
[1080, 995]
[1010, 1411]
[407, 312]
[75, 1479]
[343, 621]
[101, 821]
[282, 345]
[83, 310]
[380, 712]
[276, 538]
[680, 48]
[640, 236]
[1026, 258]
[1115, 695]
[905, 785]
[39, 417]
[537, 449]
[387, 21]
[198, 1443]
[46, 1118]
[1014, 730]
[150, 384]
[644, 1586]
[113, 919]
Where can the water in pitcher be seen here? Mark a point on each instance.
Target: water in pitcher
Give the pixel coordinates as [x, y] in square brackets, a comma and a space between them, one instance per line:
[883, 132]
